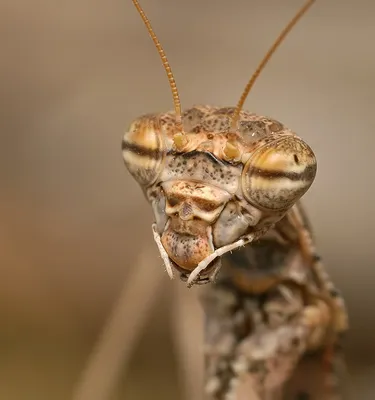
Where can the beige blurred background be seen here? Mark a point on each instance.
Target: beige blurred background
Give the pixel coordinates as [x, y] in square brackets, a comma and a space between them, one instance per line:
[73, 76]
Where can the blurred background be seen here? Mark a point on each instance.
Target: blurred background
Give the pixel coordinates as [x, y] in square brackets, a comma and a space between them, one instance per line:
[73, 223]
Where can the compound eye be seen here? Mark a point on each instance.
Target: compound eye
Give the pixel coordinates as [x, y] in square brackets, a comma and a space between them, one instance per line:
[143, 150]
[278, 174]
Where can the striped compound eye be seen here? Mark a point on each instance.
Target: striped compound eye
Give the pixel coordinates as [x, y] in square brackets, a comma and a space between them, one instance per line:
[278, 174]
[143, 150]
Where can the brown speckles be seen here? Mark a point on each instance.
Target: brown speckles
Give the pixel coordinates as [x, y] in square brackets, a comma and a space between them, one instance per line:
[216, 119]
[203, 167]
[187, 242]
[252, 130]
[192, 119]
[208, 129]
[215, 123]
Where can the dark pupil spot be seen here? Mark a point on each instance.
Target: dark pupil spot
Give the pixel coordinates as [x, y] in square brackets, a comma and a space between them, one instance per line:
[296, 160]
[334, 293]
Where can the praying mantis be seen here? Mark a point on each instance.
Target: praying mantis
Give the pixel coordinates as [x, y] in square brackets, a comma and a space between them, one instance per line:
[225, 187]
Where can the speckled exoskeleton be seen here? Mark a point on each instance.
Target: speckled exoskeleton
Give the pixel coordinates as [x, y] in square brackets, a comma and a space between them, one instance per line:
[225, 187]
[214, 190]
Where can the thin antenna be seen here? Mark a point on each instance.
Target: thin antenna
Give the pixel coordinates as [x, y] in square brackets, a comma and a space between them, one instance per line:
[265, 60]
[168, 70]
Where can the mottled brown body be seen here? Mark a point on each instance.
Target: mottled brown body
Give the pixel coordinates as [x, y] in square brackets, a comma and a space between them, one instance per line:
[212, 189]
[273, 312]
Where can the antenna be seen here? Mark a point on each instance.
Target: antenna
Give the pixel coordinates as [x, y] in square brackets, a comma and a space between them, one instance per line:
[164, 60]
[265, 60]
